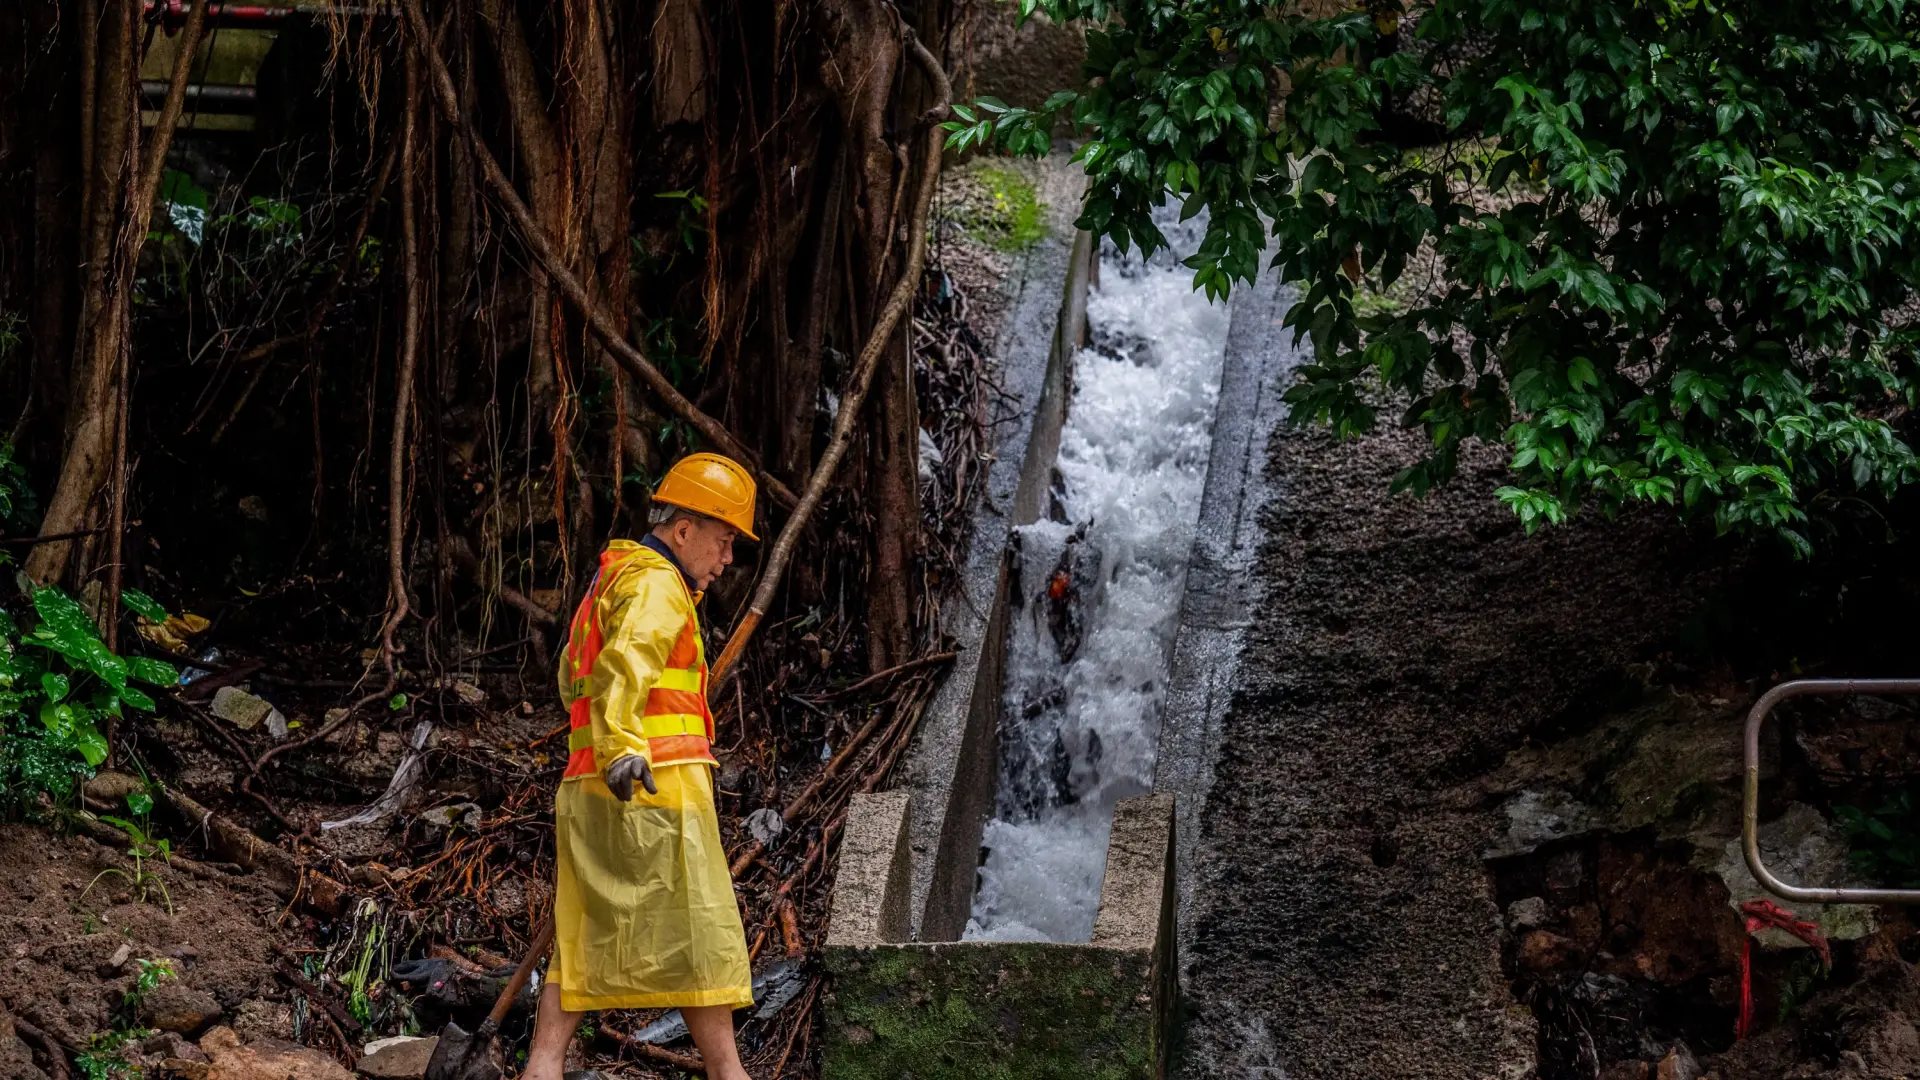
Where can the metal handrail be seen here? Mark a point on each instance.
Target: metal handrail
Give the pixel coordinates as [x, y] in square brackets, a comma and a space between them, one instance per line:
[1750, 812]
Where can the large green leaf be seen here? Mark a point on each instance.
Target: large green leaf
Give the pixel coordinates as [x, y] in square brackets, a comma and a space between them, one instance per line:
[67, 629]
[156, 672]
[143, 605]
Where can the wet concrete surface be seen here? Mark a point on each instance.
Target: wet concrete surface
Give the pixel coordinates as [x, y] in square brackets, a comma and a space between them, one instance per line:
[1340, 921]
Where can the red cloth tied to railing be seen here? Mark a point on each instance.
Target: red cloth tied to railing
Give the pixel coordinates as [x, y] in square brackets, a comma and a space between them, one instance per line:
[1761, 915]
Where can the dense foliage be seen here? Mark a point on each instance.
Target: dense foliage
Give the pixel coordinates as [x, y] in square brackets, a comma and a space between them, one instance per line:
[58, 685]
[1671, 235]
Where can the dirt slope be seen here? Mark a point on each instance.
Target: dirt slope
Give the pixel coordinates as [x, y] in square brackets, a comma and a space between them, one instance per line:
[1345, 926]
[67, 910]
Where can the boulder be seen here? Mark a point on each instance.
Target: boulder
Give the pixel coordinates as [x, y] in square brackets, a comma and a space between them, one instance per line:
[403, 1057]
[265, 1059]
[180, 1008]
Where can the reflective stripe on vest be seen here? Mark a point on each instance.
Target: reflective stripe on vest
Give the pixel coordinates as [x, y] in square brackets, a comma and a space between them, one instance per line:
[675, 721]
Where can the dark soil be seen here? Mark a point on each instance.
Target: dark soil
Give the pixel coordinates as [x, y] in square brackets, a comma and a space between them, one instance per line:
[1421, 664]
[1345, 923]
[69, 904]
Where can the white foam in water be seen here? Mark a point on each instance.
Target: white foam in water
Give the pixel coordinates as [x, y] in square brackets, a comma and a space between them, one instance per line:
[1078, 736]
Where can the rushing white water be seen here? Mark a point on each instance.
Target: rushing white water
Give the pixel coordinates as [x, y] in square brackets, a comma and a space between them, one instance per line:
[1097, 594]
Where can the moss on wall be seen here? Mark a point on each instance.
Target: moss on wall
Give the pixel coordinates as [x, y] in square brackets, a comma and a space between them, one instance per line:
[999, 1011]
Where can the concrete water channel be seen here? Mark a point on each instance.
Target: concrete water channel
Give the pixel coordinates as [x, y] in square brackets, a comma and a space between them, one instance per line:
[1028, 991]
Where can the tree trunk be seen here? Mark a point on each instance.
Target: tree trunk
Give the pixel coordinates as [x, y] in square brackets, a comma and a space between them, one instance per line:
[93, 393]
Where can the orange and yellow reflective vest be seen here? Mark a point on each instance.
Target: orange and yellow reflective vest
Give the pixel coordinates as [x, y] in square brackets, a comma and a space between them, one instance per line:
[637, 632]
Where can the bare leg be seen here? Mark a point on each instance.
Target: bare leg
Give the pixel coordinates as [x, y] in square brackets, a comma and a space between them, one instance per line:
[712, 1028]
[553, 1028]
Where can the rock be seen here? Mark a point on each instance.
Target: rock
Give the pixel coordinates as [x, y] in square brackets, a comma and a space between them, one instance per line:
[1802, 848]
[1528, 914]
[118, 960]
[180, 1008]
[257, 1019]
[265, 1059]
[402, 1056]
[239, 708]
[171, 1045]
[468, 693]
[1535, 818]
[1544, 950]
[1679, 1064]
[446, 817]
[114, 787]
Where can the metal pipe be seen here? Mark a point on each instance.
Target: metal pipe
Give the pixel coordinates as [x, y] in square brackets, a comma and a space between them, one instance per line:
[172, 14]
[206, 98]
[1750, 810]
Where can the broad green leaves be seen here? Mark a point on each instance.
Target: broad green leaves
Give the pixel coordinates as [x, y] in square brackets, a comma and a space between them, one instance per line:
[1670, 238]
[58, 681]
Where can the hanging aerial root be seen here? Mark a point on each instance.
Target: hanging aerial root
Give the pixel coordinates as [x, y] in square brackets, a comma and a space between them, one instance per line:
[541, 246]
[863, 371]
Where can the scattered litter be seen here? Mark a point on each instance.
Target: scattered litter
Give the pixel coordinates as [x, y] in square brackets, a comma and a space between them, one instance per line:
[192, 674]
[405, 776]
[773, 988]
[241, 709]
[930, 457]
[765, 825]
[172, 634]
[776, 987]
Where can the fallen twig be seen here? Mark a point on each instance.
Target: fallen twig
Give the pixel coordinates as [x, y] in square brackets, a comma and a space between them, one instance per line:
[239, 845]
[341, 1017]
[918, 662]
[662, 1055]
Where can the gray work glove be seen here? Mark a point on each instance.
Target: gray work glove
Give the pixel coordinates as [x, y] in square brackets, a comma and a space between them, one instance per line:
[622, 773]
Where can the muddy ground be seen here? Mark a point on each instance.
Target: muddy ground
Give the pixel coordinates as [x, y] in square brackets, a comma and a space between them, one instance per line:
[1474, 785]
[78, 919]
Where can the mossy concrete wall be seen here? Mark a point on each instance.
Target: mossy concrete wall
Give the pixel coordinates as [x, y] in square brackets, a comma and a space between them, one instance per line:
[1000, 1010]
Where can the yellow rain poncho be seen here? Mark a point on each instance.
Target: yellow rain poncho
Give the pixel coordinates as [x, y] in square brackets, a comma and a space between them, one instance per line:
[644, 912]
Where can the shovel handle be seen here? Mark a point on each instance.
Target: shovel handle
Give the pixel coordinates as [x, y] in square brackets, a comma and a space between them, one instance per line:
[536, 948]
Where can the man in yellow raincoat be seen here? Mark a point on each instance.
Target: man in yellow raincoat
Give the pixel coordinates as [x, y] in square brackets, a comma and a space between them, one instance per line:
[644, 914]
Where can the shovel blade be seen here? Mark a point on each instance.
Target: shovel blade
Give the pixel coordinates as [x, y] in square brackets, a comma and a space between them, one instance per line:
[464, 1055]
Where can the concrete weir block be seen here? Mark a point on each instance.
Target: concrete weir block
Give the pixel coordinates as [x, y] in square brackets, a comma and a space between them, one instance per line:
[964, 1010]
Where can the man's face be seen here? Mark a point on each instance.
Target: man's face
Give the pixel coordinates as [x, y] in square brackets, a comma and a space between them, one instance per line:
[703, 545]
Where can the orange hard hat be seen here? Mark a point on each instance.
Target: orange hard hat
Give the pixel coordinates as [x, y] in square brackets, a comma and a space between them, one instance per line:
[712, 486]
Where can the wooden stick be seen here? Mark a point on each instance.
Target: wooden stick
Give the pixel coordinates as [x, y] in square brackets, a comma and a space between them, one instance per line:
[316, 995]
[863, 369]
[920, 662]
[541, 247]
[658, 1053]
